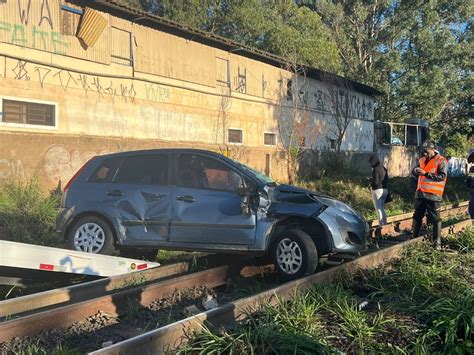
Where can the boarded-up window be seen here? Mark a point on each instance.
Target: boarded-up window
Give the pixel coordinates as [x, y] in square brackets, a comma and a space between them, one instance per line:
[28, 113]
[235, 136]
[223, 77]
[70, 19]
[121, 50]
[269, 138]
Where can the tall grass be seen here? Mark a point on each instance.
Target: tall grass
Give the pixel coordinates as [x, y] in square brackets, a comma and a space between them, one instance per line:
[354, 190]
[27, 213]
[422, 303]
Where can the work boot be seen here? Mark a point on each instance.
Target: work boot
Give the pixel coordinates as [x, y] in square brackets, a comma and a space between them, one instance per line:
[437, 235]
[416, 226]
[378, 232]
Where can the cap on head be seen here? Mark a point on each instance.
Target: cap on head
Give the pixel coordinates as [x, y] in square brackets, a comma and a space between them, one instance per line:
[471, 158]
[428, 145]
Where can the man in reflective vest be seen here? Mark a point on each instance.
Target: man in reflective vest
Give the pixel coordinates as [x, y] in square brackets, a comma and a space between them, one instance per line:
[432, 171]
[470, 186]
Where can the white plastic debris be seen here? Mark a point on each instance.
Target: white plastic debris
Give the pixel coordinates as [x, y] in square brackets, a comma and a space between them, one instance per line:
[363, 304]
[209, 303]
[191, 311]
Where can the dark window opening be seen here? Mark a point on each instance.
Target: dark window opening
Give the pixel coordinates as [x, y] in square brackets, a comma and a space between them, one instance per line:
[106, 170]
[28, 113]
[289, 90]
[70, 21]
[144, 169]
[235, 136]
[269, 138]
[204, 173]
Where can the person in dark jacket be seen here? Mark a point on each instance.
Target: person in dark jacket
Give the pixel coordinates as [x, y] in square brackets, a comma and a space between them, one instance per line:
[378, 184]
[470, 186]
[432, 172]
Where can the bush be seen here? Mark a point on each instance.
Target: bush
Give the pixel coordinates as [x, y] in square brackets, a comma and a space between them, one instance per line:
[27, 214]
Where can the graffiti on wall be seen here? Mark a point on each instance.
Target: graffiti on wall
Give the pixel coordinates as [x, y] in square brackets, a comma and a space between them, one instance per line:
[61, 163]
[11, 167]
[124, 89]
[457, 166]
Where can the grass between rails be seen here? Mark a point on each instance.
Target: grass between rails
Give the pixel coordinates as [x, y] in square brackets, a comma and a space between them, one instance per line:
[422, 303]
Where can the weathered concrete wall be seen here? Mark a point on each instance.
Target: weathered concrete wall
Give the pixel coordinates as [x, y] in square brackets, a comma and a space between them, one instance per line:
[54, 157]
[399, 161]
[171, 95]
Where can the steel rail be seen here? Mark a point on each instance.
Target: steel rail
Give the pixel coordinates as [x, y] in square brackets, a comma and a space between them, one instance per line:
[116, 303]
[170, 337]
[83, 291]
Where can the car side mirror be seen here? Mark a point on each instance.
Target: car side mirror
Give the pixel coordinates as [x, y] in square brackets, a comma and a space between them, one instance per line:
[245, 193]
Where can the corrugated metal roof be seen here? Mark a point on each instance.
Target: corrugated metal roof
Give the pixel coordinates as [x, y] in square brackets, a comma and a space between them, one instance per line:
[207, 38]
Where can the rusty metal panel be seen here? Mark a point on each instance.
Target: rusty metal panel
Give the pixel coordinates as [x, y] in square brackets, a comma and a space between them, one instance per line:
[92, 26]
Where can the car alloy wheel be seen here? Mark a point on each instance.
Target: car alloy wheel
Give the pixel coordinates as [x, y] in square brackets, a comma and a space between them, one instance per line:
[89, 237]
[289, 256]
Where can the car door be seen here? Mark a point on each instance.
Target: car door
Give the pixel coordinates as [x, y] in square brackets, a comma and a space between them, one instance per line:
[207, 205]
[140, 198]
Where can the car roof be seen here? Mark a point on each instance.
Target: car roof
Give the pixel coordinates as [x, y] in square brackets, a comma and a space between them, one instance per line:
[161, 150]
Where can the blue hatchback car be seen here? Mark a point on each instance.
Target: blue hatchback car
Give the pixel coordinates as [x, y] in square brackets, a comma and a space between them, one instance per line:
[197, 200]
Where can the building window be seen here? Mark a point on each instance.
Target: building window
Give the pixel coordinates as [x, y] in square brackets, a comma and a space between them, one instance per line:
[29, 113]
[70, 18]
[223, 72]
[332, 144]
[235, 136]
[289, 90]
[121, 47]
[269, 139]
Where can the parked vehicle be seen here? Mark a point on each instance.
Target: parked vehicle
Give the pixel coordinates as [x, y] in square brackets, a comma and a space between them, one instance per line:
[196, 200]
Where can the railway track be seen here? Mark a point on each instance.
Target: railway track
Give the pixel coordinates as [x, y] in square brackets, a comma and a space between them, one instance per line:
[90, 319]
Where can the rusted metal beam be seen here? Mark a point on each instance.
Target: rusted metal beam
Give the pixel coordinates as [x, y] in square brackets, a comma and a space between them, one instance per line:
[172, 336]
[84, 291]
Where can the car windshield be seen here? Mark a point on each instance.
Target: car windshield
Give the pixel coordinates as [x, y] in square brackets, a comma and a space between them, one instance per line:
[258, 175]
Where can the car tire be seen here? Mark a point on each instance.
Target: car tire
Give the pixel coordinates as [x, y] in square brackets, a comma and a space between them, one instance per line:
[141, 254]
[91, 234]
[294, 254]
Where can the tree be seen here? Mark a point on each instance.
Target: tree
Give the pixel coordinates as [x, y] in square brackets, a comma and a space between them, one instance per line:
[338, 97]
[275, 27]
[296, 127]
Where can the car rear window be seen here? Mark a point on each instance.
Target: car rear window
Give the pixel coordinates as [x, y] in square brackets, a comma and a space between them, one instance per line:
[106, 170]
[144, 169]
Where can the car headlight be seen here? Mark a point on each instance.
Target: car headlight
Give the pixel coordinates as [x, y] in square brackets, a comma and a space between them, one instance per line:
[341, 206]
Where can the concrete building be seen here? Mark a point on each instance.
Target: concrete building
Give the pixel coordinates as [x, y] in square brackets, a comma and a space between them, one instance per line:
[80, 78]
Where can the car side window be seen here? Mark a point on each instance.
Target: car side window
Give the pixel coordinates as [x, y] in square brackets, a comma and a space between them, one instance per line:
[144, 169]
[200, 172]
[106, 170]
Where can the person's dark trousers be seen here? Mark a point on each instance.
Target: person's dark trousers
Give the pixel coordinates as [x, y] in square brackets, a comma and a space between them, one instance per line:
[422, 207]
[471, 206]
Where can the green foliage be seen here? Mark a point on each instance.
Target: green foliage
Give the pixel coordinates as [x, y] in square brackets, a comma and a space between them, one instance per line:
[456, 145]
[27, 214]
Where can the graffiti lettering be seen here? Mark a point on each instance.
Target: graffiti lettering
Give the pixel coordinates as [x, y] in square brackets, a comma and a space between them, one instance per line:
[11, 167]
[98, 87]
[20, 71]
[65, 82]
[42, 74]
[155, 92]
[24, 15]
[46, 16]
[43, 40]
[84, 84]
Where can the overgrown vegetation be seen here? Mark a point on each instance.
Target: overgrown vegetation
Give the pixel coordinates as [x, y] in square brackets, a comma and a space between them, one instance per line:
[354, 190]
[28, 213]
[422, 303]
